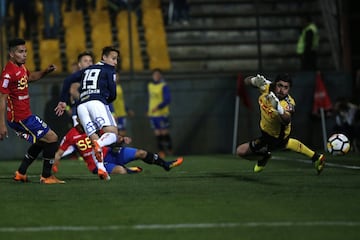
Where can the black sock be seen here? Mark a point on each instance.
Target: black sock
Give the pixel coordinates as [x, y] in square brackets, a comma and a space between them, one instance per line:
[32, 153]
[48, 158]
[47, 165]
[159, 140]
[167, 142]
[315, 157]
[152, 158]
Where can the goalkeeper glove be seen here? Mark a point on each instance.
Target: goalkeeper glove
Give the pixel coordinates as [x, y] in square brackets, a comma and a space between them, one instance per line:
[271, 97]
[259, 81]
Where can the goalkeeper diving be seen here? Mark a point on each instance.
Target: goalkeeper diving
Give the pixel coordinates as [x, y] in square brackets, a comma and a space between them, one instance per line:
[276, 109]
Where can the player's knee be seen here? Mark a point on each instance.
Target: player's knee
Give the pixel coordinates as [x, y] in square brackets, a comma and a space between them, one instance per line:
[51, 136]
[242, 150]
[140, 154]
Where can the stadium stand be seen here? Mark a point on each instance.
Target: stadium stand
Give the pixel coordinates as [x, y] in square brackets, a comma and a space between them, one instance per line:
[155, 36]
[123, 38]
[74, 35]
[49, 50]
[100, 27]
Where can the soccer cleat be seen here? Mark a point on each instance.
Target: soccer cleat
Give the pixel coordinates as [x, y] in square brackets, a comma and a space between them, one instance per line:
[103, 175]
[131, 170]
[50, 180]
[258, 168]
[20, 177]
[98, 151]
[261, 163]
[172, 164]
[320, 163]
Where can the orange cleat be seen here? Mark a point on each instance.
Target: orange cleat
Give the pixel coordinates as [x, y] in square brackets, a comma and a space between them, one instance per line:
[20, 177]
[50, 180]
[103, 175]
[174, 163]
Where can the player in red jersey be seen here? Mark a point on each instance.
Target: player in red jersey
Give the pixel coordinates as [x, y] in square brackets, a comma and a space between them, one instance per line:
[115, 158]
[15, 99]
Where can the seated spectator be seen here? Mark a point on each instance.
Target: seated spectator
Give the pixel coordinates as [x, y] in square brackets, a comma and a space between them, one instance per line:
[347, 119]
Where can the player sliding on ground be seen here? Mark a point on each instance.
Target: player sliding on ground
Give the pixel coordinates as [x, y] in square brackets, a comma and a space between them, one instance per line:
[115, 158]
[276, 108]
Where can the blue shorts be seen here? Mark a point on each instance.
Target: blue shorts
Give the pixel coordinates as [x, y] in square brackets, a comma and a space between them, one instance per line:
[121, 123]
[160, 122]
[31, 129]
[122, 157]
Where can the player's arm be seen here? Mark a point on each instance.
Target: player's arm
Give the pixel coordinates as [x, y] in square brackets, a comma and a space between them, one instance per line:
[34, 76]
[58, 154]
[111, 88]
[65, 92]
[285, 116]
[3, 129]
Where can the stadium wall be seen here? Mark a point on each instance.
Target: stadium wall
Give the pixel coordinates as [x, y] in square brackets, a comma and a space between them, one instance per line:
[202, 113]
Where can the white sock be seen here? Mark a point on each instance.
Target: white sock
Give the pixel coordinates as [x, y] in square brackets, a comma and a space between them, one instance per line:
[99, 165]
[106, 139]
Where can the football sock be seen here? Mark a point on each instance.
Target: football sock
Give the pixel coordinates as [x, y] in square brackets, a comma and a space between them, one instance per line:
[152, 158]
[32, 153]
[167, 142]
[100, 165]
[297, 146]
[47, 165]
[48, 157]
[315, 157]
[159, 140]
[106, 139]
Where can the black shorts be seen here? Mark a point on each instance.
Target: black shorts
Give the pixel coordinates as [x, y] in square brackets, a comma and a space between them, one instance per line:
[268, 143]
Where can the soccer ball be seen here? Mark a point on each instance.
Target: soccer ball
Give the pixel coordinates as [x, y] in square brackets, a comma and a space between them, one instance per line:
[338, 144]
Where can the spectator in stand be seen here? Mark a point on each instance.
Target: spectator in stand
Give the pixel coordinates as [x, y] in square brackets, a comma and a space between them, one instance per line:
[181, 12]
[308, 44]
[51, 8]
[79, 5]
[27, 9]
[347, 118]
[115, 6]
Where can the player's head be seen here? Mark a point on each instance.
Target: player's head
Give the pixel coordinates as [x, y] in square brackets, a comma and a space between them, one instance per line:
[17, 51]
[157, 74]
[281, 85]
[85, 59]
[110, 55]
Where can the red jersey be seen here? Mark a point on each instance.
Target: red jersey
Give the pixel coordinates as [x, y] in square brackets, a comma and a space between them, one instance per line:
[14, 82]
[83, 144]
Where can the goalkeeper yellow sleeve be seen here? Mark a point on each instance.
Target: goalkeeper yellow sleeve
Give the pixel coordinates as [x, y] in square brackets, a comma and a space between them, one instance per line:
[297, 146]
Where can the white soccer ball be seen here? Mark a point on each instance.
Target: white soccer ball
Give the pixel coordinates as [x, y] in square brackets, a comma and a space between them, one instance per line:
[338, 144]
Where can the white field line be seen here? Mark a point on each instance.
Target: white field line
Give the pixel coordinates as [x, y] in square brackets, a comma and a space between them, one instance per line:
[327, 164]
[181, 226]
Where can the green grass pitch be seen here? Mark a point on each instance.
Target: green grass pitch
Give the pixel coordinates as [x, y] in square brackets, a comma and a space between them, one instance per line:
[208, 197]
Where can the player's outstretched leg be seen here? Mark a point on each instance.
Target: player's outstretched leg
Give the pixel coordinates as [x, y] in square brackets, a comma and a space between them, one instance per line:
[152, 158]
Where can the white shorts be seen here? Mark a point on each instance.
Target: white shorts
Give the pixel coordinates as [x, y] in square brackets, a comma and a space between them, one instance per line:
[94, 115]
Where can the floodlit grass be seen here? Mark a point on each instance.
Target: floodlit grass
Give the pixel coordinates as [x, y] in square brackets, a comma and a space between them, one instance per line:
[208, 197]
